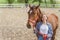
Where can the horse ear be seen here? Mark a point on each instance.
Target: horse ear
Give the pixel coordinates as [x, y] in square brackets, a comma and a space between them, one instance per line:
[37, 6]
[29, 6]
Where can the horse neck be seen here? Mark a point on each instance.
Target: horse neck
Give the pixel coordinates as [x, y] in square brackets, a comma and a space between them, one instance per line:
[40, 15]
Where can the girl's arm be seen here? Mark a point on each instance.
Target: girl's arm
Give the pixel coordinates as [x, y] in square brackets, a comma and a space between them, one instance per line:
[37, 27]
[50, 31]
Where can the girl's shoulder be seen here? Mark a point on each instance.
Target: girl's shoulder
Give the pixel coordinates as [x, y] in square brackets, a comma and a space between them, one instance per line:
[49, 25]
[39, 23]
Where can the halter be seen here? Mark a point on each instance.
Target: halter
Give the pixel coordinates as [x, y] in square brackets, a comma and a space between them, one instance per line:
[33, 21]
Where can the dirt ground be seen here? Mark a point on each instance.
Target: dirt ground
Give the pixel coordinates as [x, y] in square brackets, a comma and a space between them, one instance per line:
[13, 23]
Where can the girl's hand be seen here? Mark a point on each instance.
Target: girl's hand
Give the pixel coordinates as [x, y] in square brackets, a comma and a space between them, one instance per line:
[45, 35]
[40, 33]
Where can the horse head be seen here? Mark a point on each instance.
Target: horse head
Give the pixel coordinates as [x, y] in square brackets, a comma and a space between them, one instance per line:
[34, 15]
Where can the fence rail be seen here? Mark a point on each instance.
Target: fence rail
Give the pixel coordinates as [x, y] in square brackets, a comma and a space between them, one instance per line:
[11, 5]
[23, 5]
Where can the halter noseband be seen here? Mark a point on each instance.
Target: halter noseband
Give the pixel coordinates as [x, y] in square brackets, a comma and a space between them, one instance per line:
[33, 21]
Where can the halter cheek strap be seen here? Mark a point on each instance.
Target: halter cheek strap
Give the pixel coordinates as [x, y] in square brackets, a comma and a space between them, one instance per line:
[33, 21]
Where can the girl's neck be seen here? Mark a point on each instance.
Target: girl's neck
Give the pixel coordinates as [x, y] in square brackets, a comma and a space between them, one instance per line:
[44, 22]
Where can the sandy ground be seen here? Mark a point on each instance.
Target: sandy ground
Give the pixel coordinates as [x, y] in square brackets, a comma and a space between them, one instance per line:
[13, 23]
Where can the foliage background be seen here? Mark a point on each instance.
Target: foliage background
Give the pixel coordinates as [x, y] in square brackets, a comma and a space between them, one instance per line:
[43, 3]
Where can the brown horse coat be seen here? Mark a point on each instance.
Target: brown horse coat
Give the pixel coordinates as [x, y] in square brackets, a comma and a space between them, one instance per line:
[36, 15]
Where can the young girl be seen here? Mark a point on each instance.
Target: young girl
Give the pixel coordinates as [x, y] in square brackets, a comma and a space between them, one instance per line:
[44, 29]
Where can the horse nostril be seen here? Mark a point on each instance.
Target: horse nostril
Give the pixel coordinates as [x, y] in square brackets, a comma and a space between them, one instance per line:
[28, 25]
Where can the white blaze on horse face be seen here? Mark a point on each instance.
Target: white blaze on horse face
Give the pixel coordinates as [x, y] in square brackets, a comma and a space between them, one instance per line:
[30, 11]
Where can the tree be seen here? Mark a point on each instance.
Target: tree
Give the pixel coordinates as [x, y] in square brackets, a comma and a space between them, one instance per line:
[21, 1]
[10, 1]
[40, 1]
[53, 2]
[26, 3]
[46, 3]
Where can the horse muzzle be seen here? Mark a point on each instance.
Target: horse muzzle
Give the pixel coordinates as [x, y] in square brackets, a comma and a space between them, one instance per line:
[31, 23]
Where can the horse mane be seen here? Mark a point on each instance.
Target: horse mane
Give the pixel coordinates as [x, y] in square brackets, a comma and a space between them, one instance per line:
[40, 14]
[40, 10]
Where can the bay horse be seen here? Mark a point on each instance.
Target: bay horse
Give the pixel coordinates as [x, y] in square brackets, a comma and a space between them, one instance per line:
[35, 16]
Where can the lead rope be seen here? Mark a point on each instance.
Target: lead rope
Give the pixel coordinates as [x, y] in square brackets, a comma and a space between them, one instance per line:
[45, 37]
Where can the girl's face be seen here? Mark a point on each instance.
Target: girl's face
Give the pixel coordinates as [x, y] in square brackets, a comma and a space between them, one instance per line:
[44, 18]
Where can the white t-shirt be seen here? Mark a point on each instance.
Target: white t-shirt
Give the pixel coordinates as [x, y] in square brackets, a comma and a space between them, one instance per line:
[44, 29]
